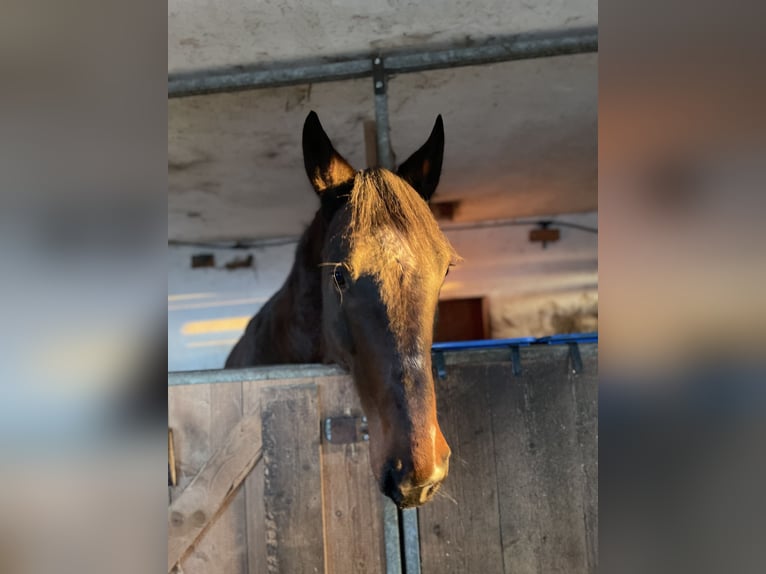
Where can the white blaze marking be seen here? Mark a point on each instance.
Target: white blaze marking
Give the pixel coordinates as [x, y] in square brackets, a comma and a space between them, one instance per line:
[437, 472]
[414, 362]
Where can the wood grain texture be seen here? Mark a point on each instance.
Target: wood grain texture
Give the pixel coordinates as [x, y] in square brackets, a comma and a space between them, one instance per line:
[189, 417]
[352, 503]
[205, 498]
[460, 528]
[223, 547]
[585, 389]
[254, 513]
[524, 467]
[292, 492]
[522, 494]
[539, 466]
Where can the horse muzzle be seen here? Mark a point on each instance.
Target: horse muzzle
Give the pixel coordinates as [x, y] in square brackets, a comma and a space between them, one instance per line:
[407, 492]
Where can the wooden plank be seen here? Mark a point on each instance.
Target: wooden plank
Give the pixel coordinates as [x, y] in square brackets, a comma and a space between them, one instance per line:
[540, 478]
[223, 547]
[353, 513]
[585, 389]
[254, 511]
[293, 482]
[516, 468]
[460, 528]
[189, 417]
[205, 497]
[172, 464]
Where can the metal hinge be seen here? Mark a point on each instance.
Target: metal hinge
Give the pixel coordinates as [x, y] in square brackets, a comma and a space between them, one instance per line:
[346, 429]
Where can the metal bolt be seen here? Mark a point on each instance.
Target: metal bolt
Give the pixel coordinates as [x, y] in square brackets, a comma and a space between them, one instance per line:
[379, 84]
[365, 436]
[364, 419]
[377, 61]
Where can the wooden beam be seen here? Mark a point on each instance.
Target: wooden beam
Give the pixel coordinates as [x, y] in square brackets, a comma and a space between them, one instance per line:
[218, 480]
[172, 475]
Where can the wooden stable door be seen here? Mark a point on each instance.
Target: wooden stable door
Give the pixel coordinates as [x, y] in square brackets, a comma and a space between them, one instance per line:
[262, 489]
[522, 491]
[307, 505]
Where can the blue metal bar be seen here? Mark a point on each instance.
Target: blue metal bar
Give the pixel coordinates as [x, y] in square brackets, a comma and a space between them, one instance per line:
[441, 366]
[483, 344]
[569, 338]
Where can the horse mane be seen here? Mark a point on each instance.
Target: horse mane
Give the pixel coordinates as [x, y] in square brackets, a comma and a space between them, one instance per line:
[382, 200]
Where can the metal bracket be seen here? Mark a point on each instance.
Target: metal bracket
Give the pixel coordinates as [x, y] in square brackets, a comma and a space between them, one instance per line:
[575, 358]
[378, 75]
[346, 429]
[441, 366]
[515, 361]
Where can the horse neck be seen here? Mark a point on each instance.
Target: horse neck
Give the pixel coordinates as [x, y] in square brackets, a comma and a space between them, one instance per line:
[299, 301]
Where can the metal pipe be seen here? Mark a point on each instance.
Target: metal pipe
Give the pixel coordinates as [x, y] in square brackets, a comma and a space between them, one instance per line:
[446, 227]
[265, 373]
[411, 540]
[382, 127]
[391, 537]
[288, 74]
[521, 47]
[503, 49]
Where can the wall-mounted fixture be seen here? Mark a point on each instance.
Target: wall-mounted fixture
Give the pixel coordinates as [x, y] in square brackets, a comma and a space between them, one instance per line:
[544, 233]
[202, 260]
[444, 210]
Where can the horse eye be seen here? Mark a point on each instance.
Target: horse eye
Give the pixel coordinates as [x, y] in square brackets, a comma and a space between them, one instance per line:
[340, 278]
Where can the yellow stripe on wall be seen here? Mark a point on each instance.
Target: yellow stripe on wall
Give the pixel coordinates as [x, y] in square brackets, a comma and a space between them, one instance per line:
[214, 343]
[215, 325]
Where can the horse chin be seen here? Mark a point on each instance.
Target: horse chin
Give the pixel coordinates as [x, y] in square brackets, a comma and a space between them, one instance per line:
[414, 499]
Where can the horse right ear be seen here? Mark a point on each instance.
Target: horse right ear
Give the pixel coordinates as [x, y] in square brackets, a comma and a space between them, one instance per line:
[423, 168]
[324, 166]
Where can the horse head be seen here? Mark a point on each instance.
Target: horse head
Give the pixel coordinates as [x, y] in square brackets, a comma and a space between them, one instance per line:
[384, 260]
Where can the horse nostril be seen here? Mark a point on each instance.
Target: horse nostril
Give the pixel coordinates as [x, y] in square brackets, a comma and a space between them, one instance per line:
[390, 484]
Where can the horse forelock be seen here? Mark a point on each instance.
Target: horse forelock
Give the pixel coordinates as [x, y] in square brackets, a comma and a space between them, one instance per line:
[387, 213]
[393, 237]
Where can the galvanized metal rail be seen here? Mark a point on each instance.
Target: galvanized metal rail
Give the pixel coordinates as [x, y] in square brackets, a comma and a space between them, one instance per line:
[499, 49]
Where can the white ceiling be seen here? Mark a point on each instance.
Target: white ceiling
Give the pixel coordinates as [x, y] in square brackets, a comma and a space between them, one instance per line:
[521, 140]
[206, 34]
[520, 136]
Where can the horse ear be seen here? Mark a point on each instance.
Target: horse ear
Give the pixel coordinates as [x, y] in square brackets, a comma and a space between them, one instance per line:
[423, 168]
[324, 166]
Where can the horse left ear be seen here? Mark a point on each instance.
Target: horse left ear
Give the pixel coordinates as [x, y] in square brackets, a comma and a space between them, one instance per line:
[423, 168]
[325, 167]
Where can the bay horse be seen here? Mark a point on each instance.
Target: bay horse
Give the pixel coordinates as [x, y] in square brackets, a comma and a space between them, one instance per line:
[362, 293]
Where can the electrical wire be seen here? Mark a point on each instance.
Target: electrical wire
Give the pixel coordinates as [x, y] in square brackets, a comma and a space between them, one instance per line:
[280, 241]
